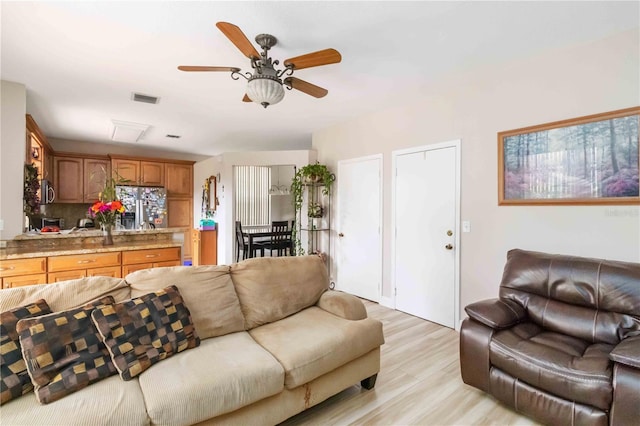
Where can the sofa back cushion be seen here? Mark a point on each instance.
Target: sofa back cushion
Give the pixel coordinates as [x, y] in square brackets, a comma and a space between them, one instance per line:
[66, 295]
[592, 299]
[206, 290]
[270, 289]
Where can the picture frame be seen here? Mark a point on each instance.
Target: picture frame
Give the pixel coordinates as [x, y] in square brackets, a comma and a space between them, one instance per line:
[587, 160]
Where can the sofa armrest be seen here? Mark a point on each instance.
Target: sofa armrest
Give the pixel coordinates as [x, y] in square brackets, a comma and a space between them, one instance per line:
[627, 352]
[343, 305]
[496, 313]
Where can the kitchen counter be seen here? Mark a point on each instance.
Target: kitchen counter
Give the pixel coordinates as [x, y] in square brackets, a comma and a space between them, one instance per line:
[90, 241]
[84, 248]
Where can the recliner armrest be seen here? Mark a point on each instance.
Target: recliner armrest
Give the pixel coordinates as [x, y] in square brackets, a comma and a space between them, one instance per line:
[627, 352]
[343, 305]
[496, 313]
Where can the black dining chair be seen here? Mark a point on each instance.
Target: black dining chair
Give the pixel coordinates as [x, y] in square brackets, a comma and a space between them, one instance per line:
[242, 243]
[280, 242]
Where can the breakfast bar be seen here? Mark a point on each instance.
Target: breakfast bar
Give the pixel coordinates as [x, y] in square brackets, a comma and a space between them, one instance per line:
[46, 258]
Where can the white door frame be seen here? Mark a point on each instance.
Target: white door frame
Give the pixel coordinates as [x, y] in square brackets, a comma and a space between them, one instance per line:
[394, 156]
[380, 158]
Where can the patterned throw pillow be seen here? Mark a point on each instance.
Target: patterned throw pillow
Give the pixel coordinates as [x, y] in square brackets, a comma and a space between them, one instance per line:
[64, 352]
[13, 371]
[143, 331]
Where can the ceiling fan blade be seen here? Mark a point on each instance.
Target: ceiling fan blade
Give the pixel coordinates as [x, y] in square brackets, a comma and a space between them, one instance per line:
[246, 98]
[199, 68]
[315, 59]
[238, 38]
[306, 87]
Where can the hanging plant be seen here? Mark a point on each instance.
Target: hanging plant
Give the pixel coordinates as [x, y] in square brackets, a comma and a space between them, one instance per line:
[311, 174]
[31, 201]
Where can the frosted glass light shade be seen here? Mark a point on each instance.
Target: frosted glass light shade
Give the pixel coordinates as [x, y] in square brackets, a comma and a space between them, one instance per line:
[265, 91]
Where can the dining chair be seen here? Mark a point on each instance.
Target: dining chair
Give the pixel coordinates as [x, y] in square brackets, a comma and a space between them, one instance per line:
[242, 243]
[280, 242]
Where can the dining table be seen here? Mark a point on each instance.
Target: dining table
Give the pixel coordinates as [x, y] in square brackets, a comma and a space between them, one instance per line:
[256, 235]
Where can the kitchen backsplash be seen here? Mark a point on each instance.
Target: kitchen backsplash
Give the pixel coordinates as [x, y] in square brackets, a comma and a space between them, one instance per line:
[70, 212]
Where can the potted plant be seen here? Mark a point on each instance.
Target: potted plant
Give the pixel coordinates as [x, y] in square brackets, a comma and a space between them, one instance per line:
[310, 175]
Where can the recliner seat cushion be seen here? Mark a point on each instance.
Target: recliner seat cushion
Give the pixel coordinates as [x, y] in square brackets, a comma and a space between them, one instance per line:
[314, 342]
[554, 362]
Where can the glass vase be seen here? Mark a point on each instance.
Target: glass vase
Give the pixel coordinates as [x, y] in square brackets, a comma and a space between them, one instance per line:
[107, 237]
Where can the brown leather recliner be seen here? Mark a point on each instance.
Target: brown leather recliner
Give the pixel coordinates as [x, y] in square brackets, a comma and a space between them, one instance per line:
[562, 342]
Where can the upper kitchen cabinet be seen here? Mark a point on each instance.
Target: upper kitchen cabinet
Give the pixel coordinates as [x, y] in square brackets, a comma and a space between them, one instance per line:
[68, 175]
[138, 172]
[38, 150]
[179, 179]
[96, 171]
[79, 179]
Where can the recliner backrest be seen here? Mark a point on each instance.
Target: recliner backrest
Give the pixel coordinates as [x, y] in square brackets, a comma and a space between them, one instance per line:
[592, 299]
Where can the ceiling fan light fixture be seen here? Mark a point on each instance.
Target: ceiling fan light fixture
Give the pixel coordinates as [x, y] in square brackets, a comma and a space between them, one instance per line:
[265, 90]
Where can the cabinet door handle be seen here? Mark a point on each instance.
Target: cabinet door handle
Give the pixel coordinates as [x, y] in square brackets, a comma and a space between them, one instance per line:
[86, 261]
[10, 268]
[151, 255]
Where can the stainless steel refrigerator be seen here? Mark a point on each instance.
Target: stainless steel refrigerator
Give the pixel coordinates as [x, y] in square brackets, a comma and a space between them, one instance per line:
[145, 207]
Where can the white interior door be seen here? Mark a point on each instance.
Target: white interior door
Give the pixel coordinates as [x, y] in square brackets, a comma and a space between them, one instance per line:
[425, 215]
[359, 242]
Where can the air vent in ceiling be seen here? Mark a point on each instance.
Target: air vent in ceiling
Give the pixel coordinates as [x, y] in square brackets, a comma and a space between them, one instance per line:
[174, 136]
[139, 97]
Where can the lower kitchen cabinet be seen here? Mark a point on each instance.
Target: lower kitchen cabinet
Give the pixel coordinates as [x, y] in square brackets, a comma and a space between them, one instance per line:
[19, 272]
[70, 267]
[135, 260]
[205, 247]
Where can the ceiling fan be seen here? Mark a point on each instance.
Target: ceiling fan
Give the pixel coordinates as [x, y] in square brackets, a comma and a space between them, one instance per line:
[265, 84]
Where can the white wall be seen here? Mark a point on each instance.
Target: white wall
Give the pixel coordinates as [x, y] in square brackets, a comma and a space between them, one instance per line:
[13, 98]
[474, 107]
[226, 236]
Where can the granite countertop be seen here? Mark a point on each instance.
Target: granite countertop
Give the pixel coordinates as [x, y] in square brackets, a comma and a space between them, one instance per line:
[85, 233]
[86, 242]
[84, 248]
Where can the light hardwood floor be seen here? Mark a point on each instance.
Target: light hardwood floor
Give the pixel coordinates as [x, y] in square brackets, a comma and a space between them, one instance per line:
[419, 383]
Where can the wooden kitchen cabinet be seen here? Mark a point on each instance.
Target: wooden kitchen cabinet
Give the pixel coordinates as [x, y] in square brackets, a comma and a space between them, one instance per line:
[179, 180]
[19, 272]
[180, 215]
[84, 265]
[79, 179]
[68, 175]
[95, 172]
[205, 247]
[138, 172]
[135, 260]
[38, 150]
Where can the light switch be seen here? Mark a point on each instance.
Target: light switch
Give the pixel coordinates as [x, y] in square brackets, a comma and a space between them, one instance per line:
[466, 226]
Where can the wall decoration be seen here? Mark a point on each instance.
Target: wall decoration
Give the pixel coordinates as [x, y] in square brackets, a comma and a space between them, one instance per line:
[586, 160]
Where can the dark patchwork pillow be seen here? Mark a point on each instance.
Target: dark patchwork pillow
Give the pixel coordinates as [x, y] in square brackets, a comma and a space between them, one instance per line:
[13, 370]
[64, 352]
[143, 331]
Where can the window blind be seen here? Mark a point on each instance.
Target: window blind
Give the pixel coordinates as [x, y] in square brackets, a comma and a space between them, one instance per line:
[252, 202]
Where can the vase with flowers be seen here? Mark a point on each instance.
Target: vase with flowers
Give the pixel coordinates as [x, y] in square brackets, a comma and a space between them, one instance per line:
[106, 210]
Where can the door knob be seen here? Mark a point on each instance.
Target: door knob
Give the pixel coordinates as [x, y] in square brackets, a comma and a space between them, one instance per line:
[341, 235]
[448, 247]
[449, 232]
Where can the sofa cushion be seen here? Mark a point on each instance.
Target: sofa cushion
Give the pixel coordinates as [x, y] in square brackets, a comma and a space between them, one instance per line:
[146, 330]
[15, 380]
[314, 342]
[219, 376]
[107, 402]
[559, 364]
[270, 289]
[66, 295]
[206, 290]
[64, 352]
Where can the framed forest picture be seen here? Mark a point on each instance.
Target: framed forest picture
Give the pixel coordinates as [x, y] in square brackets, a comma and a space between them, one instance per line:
[585, 160]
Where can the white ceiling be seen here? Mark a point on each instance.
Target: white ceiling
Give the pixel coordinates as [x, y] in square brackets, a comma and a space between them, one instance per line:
[80, 61]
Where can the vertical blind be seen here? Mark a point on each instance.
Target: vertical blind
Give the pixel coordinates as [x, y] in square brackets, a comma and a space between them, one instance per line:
[252, 185]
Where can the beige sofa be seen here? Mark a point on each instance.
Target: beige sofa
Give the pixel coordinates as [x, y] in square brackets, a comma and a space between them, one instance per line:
[274, 341]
